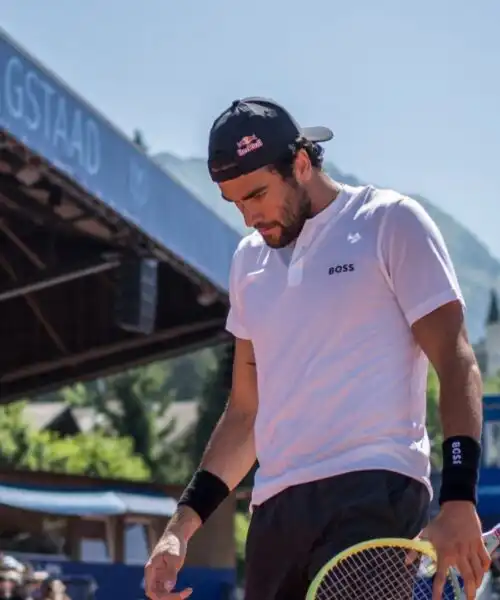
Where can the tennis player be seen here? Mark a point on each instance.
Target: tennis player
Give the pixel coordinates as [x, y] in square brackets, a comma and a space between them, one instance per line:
[338, 301]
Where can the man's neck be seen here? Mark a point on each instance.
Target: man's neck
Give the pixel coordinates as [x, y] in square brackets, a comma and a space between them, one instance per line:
[323, 191]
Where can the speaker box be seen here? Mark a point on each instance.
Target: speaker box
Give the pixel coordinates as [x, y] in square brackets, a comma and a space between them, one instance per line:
[136, 295]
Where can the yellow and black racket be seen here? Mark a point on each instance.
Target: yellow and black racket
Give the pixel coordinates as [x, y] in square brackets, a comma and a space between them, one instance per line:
[379, 570]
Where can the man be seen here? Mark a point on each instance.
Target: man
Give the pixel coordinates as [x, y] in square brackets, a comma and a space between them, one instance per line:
[11, 575]
[338, 301]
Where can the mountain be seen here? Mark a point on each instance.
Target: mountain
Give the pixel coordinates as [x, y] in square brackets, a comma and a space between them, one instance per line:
[478, 271]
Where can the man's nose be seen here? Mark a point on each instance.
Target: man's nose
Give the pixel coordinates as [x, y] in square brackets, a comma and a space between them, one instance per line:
[252, 217]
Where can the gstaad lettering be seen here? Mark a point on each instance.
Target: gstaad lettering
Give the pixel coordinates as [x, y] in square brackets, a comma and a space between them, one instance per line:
[27, 97]
[340, 269]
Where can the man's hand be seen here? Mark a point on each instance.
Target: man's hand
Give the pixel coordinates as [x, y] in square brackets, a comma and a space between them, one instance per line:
[456, 535]
[161, 569]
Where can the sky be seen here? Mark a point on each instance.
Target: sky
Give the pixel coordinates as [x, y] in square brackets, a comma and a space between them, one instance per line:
[411, 89]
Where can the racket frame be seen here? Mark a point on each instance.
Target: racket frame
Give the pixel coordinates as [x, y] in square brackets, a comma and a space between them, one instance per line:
[420, 546]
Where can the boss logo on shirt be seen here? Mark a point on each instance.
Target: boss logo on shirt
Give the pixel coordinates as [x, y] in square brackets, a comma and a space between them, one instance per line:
[340, 269]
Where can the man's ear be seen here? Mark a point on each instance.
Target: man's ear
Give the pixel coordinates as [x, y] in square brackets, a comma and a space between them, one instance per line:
[302, 167]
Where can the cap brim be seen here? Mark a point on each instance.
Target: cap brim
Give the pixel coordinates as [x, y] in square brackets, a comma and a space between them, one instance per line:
[317, 134]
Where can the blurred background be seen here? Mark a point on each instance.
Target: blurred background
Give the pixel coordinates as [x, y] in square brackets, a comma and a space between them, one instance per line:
[115, 247]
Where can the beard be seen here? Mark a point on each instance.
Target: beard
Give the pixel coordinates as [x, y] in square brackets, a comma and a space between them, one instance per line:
[296, 211]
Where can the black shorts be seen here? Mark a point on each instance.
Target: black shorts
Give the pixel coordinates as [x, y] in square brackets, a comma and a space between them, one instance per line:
[293, 534]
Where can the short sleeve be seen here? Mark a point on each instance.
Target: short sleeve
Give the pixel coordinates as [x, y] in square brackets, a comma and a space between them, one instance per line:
[235, 322]
[416, 261]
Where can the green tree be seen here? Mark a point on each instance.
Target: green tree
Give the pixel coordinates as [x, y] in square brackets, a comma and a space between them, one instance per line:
[134, 405]
[188, 373]
[212, 404]
[213, 400]
[492, 385]
[433, 419]
[241, 525]
[23, 447]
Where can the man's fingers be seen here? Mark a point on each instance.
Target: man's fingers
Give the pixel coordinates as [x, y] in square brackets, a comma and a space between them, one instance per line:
[158, 590]
[412, 555]
[471, 565]
[162, 591]
[467, 572]
[438, 586]
[160, 581]
[484, 557]
[177, 595]
[150, 587]
[477, 567]
[162, 568]
[440, 577]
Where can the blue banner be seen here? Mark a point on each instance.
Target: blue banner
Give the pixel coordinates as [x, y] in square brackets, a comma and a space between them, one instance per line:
[127, 582]
[491, 408]
[490, 471]
[38, 110]
[489, 478]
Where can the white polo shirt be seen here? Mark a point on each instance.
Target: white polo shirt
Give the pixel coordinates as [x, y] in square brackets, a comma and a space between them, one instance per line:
[341, 381]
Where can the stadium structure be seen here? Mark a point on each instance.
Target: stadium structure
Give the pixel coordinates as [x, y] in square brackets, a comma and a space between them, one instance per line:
[105, 260]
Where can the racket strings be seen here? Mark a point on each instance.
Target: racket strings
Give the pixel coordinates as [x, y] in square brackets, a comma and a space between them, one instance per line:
[380, 573]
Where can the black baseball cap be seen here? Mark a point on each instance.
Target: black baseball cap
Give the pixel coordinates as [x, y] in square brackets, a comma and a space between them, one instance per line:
[253, 133]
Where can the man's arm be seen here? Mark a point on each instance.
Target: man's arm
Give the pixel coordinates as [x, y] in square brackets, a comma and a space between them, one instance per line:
[443, 338]
[456, 532]
[418, 267]
[230, 453]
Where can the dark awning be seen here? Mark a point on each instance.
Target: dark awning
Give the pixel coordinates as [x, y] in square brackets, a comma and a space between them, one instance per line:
[41, 112]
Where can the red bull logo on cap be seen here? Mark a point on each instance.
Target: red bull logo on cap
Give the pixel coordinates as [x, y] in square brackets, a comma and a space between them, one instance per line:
[247, 144]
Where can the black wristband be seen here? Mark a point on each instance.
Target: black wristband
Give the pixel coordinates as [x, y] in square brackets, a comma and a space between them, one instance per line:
[461, 462]
[204, 494]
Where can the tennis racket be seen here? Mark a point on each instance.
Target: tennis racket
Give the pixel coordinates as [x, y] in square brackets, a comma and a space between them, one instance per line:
[379, 570]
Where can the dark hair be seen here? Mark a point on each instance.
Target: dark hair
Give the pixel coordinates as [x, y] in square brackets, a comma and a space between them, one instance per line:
[284, 165]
